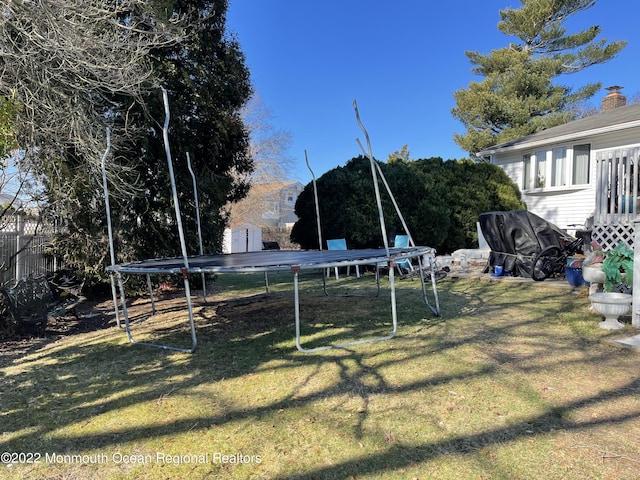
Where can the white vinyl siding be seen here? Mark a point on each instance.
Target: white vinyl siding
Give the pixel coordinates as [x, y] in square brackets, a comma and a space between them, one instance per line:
[572, 203]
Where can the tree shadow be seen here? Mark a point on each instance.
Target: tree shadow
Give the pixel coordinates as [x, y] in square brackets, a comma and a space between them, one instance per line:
[74, 383]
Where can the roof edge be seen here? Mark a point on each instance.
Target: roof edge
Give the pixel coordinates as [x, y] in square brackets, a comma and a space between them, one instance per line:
[559, 138]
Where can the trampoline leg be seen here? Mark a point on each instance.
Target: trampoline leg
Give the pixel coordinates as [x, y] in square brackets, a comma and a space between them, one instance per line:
[114, 294]
[324, 283]
[153, 302]
[434, 288]
[296, 304]
[204, 287]
[394, 311]
[436, 310]
[194, 340]
[125, 312]
[187, 290]
[394, 317]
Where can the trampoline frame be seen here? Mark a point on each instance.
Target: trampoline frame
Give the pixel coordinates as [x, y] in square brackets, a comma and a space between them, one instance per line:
[216, 264]
[187, 265]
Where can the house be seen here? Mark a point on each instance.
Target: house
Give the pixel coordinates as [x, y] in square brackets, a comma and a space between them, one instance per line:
[269, 209]
[582, 171]
[278, 201]
[269, 205]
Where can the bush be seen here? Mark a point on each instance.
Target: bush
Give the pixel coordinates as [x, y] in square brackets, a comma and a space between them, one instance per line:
[440, 201]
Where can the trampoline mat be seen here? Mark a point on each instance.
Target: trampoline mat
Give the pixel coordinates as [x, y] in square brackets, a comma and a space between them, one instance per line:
[268, 260]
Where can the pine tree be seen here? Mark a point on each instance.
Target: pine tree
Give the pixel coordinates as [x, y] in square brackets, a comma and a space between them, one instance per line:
[518, 95]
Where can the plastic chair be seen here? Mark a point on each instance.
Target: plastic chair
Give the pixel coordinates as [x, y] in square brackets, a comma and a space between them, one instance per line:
[401, 241]
[340, 244]
[403, 266]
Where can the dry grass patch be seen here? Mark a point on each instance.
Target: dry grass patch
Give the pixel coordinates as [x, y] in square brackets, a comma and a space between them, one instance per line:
[512, 382]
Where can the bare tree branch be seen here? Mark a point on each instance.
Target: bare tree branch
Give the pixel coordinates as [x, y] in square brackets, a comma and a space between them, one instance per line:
[267, 148]
[75, 66]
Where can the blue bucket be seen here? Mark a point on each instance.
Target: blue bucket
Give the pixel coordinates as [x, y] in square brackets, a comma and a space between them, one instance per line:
[574, 276]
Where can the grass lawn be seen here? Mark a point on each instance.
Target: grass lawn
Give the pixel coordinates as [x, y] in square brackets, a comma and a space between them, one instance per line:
[512, 382]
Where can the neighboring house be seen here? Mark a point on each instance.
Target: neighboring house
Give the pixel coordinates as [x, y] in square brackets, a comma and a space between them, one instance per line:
[279, 201]
[582, 170]
[267, 207]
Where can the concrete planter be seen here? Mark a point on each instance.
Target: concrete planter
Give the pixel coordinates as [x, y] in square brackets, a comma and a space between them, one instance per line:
[611, 305]
[593, 274]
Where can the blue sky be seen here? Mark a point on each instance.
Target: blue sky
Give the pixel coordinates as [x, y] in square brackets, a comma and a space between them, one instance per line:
[400, 60]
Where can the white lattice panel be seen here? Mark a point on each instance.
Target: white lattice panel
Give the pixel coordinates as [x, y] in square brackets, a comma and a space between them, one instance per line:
[608, 236]
[26, 225]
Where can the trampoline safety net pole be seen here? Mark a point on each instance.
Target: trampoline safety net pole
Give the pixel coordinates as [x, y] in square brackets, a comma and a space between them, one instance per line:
[369, 155]
[172, 178]
[315, 196]
[395, 205]
[317, 204]
[176, 205]
[376, 168]
[109, 227]
[195, 199]
[436, 310]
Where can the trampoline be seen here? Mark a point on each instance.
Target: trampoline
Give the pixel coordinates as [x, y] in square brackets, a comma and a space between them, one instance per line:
[272, 261]
[263, 261]
[268, 260]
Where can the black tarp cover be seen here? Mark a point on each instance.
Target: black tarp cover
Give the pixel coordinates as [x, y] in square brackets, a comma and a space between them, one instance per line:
[516, 237]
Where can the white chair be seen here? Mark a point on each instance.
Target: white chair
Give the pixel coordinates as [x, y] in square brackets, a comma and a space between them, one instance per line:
[340, 244]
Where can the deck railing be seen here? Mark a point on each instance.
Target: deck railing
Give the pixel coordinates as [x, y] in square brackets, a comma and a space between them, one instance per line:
[616, 195]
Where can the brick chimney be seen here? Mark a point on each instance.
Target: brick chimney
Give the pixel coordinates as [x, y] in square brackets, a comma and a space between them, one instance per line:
[614, 99]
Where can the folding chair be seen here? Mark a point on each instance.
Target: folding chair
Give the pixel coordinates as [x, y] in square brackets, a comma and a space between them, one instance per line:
[340, 244]
[404, 266]
[401, 241]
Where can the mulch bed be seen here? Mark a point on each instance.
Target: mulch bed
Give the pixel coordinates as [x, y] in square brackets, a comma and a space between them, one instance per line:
[90, 315]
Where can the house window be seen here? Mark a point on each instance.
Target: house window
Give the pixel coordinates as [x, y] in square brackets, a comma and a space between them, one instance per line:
[581, 164]
[558, 167]
[541, 169]
[271, 210]
[526, 174]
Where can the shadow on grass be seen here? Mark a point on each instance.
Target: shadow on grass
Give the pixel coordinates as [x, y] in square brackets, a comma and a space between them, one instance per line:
[68, 384]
